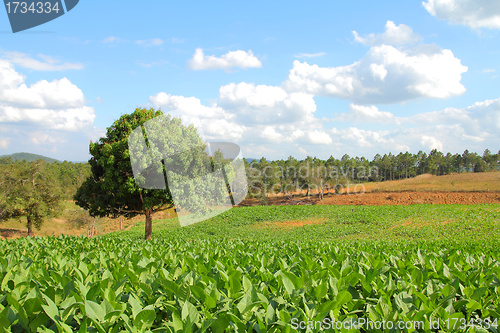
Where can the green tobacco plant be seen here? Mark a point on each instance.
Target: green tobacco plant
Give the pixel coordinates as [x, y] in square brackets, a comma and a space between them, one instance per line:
[70, 284]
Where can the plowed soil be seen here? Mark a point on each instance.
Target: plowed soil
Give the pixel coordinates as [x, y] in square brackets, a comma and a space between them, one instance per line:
[409, 198]
[386, 198]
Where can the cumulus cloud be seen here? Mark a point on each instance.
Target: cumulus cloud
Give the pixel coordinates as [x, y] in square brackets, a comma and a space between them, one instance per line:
[190, 106]
[264, 104]
[47, 63]
[450, 129]
[232, 59]
[386, 74]
[431, 142]
[473, 13]
[478, 122]
[58, 104]
[43, 138]
[360, 137]
[393, 35]
[249, 113]
[269, 134]
[364, 113]
[213, 121]
[319, 137]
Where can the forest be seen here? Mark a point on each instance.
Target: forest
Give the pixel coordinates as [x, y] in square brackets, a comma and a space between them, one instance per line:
[312, 173]
[265, 175]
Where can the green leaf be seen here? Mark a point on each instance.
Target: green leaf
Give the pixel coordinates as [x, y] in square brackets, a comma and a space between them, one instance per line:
[234, 282]
[190, 311]
[51, 308]
[320, 291]
[220, 324]
[94, 311]
[343, 297]
[144, 319]
[19, 309]
[287, 282]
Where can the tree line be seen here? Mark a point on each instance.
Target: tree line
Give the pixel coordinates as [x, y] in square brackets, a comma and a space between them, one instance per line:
[289, 175]
[35, 191]
[65, 176]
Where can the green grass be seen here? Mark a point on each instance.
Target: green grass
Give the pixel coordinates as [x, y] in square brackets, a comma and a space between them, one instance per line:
[247, 270]
[332, 223]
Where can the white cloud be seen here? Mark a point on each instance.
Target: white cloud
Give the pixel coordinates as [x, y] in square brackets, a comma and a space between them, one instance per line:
[360, 137]
[150, 42]
[310, 55]
[393, 35]
[232, 59]
[319, 137]
[473, 13]
[214, 121]
[250, 114]
[431, 142]
[58, 104]
[301, 150]
[47, 63]
[180, 105]
[264, 104]
[385, 75]
[46, 117]
[370, 114]
[4, 143]
[269, 134]
[43, 138]
[449, 130]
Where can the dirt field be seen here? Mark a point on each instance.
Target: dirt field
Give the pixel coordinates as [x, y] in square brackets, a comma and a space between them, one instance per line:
[386, 198]
[464, 188]
[409, 198]
[463, 182]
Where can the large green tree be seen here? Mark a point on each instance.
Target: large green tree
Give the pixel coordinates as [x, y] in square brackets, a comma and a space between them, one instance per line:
[28, 191]
[173, 149]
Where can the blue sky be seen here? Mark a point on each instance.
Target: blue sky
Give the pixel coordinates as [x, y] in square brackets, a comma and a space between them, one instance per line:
[278, 78]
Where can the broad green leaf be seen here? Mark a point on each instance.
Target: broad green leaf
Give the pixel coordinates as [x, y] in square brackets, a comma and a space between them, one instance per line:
[144, 319]
[94, 311]
[190, 312]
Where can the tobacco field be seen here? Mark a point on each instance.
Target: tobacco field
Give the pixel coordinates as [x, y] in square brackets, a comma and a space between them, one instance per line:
[252, 270]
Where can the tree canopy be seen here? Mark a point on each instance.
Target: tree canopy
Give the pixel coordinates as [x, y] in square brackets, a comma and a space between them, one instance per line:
[129, 165]
[28, 191]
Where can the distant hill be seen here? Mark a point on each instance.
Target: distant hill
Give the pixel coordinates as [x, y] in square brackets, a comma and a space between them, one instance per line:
[29, 157]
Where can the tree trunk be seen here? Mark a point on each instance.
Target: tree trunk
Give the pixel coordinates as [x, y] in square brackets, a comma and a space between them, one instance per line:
[148, 228]
[29, 224]
[321, 190]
